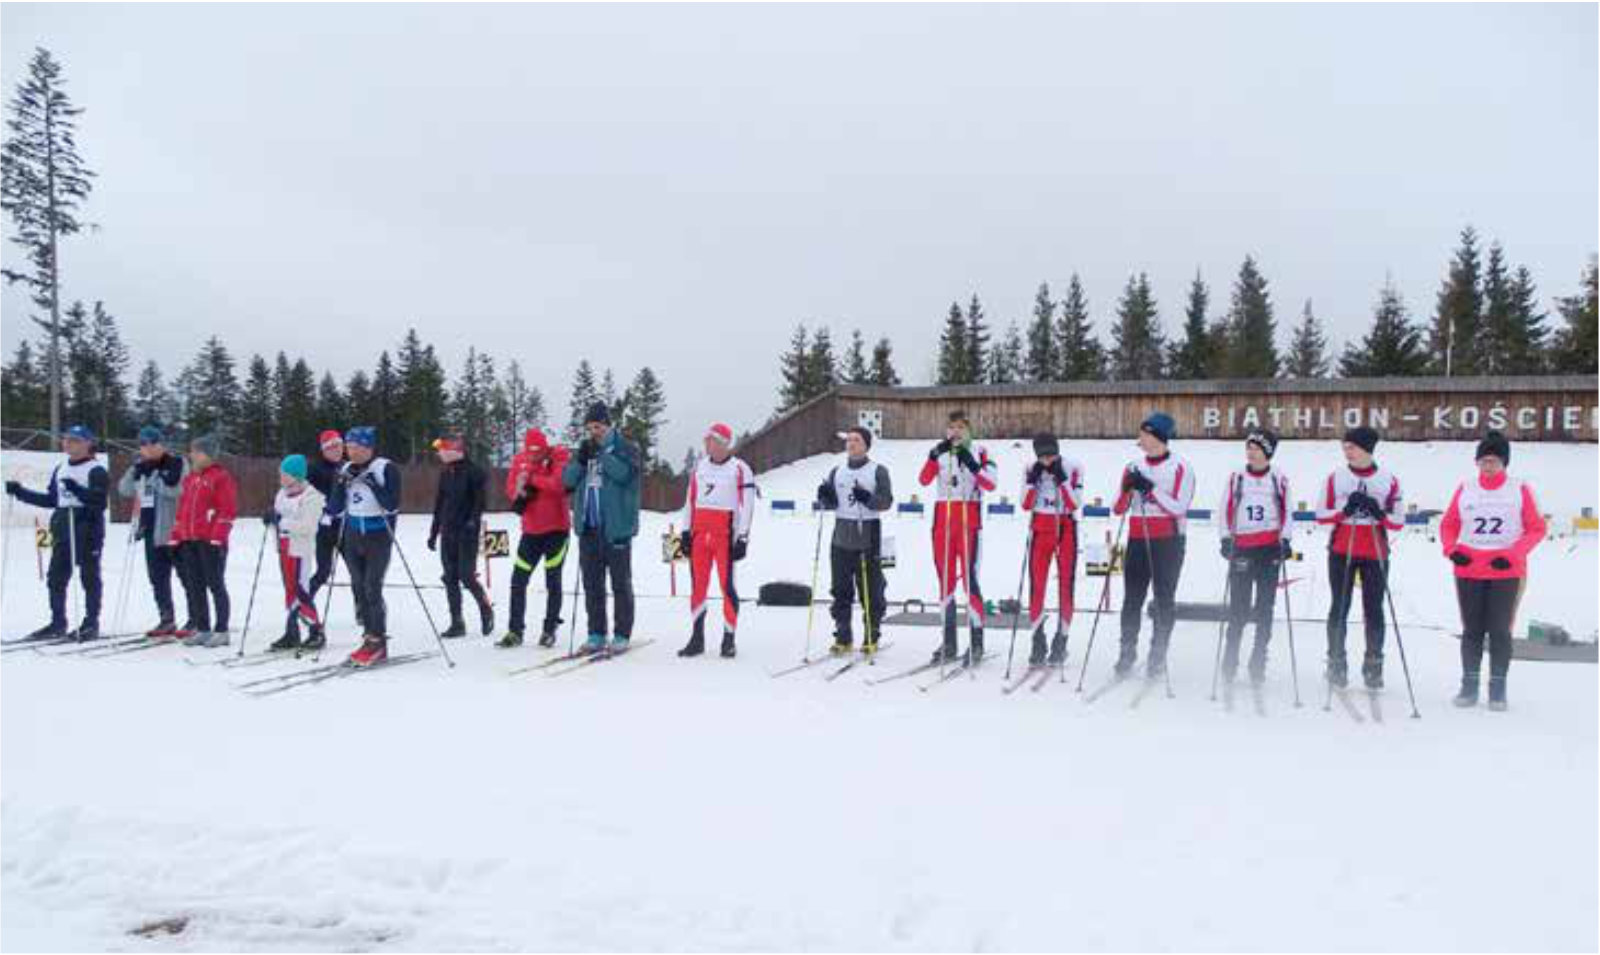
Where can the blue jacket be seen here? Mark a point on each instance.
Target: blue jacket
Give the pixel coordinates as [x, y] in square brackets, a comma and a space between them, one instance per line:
[618, 464]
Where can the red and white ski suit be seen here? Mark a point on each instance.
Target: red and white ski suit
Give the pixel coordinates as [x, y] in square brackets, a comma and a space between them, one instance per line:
[718, 512]
[1055, 539]
[958, 522]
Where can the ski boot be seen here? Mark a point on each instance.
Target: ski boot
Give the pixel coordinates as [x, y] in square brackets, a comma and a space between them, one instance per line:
[1156, 667]
[1126, 659]
[184, 632]
[1058, 649]
[373, 651]
[697, 641]
[512, 638]
[456, 629]
[1372, 671]
[316, 640]
[50, 631]
[547, 639]
[289, 641]
[843, 645]
[729, 651]
[165, 628]
[869, 644]
[595, 644]
[1338, 668]
[486, 612]
[1258, 664]
[216, 638]
[1040, 649]
[197, 638]
[1497, 694]
[619, 643]
[975, 647]
[948, 652]
[88, 630]
[1468, 694]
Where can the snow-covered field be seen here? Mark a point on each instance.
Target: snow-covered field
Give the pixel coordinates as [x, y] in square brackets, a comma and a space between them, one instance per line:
[654, 803]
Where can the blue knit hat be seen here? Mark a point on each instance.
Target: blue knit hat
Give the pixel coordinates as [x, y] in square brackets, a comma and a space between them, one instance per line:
[1160, 424]
[365, 435]
[295, 466]
[150, 434]
[598, 413]
[81, 432]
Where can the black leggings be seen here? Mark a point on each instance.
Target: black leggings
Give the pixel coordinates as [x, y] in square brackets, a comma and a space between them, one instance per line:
[550, 548]
[851, 570]
[1487, 609]
[1252, 594]
[1148, 561]
[1342, 574]
[458, 557]
[202, 567]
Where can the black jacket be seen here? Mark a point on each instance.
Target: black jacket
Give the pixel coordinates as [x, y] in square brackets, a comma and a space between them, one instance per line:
[458, 506]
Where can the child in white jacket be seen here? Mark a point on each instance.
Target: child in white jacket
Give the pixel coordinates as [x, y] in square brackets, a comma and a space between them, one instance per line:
[296, 511]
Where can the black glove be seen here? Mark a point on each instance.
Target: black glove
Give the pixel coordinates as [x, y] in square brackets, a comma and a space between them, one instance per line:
[1035, 472]
[1285, 549]
[940, 450]
[964, 455]
[1460, 558]
[1058, 472]
[1140, 483]
[270, 518]
[586, 451]
[1500, 563]
[1225, 548]
[143, 467]
[12, 487]
[1375, 510]
[740, 548]
[827, 495]
[172, 471]
[686, 543]
[72, 487]
[861, 495]
[1354, 504]
[433, 541]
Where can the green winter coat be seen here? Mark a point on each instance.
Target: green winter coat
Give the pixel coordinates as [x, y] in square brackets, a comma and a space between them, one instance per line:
[618, 463]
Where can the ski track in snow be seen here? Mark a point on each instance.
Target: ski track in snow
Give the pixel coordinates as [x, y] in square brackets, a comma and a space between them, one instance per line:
[651, 803]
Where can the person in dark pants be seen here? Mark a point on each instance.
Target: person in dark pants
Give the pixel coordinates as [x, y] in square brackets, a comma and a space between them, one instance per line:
[1155, 493]
[603, 479]
[369, 500]
[1492, 524]
[77, 495]
[537, 493]
[207, 508]
[1363, 503]
[1256, 524]
[323, 473]
[156, 481]
[457, 526]
[858, 492]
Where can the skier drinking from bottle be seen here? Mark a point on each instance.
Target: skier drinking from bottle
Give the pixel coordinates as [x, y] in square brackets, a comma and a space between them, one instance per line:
[1052, 492]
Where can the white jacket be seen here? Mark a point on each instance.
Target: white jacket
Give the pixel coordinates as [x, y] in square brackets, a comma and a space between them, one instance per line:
[298, 516]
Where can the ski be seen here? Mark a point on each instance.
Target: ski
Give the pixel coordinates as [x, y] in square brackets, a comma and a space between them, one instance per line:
[130, 646]
[1376, 705]
[966, 666]
[903, 674]
[78, 646]
[858, 658]
[600, 656]
[577, 654]
[1106, 687]
[1342, 694]
[1016, 683]
[805, 664]
[1227, 696]
[1043, 679]
[1258, 699]
[237, 662]
[338, 670]
[12, 646]
[1143, 691]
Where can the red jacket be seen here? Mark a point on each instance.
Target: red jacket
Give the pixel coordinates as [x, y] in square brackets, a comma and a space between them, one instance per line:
[1516, 551]
[207, 505]
[544, 505]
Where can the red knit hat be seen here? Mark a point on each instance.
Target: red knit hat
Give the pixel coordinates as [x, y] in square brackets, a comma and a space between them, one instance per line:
[722, 433]
[449, 444]
[328, 437]
[533, 440]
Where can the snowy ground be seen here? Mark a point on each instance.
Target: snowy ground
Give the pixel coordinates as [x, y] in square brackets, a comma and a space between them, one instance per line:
[654, 803]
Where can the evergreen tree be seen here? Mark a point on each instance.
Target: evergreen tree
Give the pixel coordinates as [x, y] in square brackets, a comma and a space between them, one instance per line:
[954, 350]
[386, 405]
[1458, 312]
[332, 411]
[153, 401]
[792, 371]
[1252, 330]
[1511, 340]
[1308, 351]
[646, 416]
[584, 393]
[24, 391]
[1392, 348]
[855, 360]
[977, 341]
[298, 424]
[1574, 348]
[1137, 344]
[423, 398]
[97, 369]
[822, 369]
[882, 372]
[610, 395]
[43, 182]
[471, 403]
[1192, 359]
[524, 409]
[1006, 360]
[257, 431]
[360, 406]
[498, 452]
[209, 390]
[1043, 359]
[1082, 357]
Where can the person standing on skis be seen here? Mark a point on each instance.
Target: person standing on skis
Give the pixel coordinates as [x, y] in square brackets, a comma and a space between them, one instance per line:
[717, 514]
[207, 507]
[1362, 502]
[76, 496]
[1491, 526]
[156, 481]
[457, 527]
[1052, 491]
[1256, 529]
[1155, 494]
[297, 514]
[603, 479]
[534, 486]
[323, 473]
[964, 472]
[858, 493]
[368, 495]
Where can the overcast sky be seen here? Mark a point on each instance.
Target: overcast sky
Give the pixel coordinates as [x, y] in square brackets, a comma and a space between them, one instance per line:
[678, 186]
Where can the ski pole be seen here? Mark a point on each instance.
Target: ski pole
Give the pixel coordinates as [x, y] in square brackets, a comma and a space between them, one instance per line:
[255, 580]
[577, 597]
[1150, 558]
[1288, 618]
[1227, 614]
[1342, 598]
[1016, 616]
[811, 603]
[1100, 607]
[1395, 617]
[866, 606]
[947, 590]
[74, 572]
[443, 651]
[5, 547]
